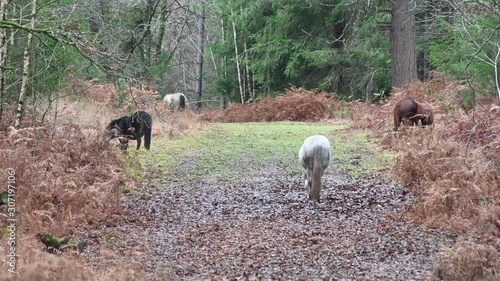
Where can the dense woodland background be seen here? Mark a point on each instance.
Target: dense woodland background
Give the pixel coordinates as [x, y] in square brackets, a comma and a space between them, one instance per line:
[236, 51]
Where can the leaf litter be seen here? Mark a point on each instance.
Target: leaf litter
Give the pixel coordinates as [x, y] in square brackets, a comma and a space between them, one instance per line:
[259, 225]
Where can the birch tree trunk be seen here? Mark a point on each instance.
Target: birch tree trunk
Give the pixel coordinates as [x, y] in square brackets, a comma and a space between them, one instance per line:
[3, 54]
[26, 64]
[199, 60]
[497, 75]
[242, 93]
[249, 84]
[224, 65]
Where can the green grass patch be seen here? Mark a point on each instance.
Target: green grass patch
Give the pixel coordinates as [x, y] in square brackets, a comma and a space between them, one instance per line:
[359, 154]
[227, 148]
[4, 231]
[125, 191]
[109, 236]
[134, 165]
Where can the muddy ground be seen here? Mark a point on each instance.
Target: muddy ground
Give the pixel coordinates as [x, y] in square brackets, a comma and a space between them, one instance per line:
[259, 225]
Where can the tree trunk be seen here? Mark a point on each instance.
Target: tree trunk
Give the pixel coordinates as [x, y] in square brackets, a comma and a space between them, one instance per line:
[3, 54]
[147, 41]
[199, 60]
[137, 34]
[339, 35]
[242, 93]
[249, 84]
[224, 66]
[161, 34]
[26, 64]
[426, 27]
[147, 47]
[403, 33]
[497, 74]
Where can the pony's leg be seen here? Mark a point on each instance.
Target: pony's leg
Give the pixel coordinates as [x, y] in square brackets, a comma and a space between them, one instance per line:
[147, 136]
[397, 124]
[401, 121]
[397, 120]
[307, 185]
[139, 132]
[138, 142]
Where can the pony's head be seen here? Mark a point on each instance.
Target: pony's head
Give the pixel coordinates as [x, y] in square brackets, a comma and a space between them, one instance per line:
[113, 130]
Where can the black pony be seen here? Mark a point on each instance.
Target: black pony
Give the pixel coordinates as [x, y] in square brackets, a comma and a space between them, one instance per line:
[132, 127]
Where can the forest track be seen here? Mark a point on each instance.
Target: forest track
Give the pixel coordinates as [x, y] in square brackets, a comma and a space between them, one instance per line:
[262, 227]
[258, 225]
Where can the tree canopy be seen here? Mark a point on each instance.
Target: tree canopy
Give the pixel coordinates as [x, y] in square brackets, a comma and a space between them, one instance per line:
[252, 48]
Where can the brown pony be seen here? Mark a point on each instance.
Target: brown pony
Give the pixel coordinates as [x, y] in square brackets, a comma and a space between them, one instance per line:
[413, 111]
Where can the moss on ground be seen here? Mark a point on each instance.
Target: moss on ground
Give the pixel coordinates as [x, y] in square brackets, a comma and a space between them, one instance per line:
[132, 158]
[227, 148]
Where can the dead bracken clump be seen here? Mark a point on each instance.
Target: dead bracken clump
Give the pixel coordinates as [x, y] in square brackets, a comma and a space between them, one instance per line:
[94, 92]
[67, 176]
[63, 177]
[468, 261]
[294, 105]
[452, 167]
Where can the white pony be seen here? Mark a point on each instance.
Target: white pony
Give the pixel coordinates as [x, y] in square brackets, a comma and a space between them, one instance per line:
[176, 102]
[314, 156]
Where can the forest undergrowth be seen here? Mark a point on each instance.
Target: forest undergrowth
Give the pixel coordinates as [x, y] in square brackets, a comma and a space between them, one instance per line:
[69, 177]
[453, 169]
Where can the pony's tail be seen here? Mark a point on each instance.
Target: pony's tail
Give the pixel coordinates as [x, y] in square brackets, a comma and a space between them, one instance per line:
[396, 116]
[316, 173]
[147, 134]
[182, 102]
